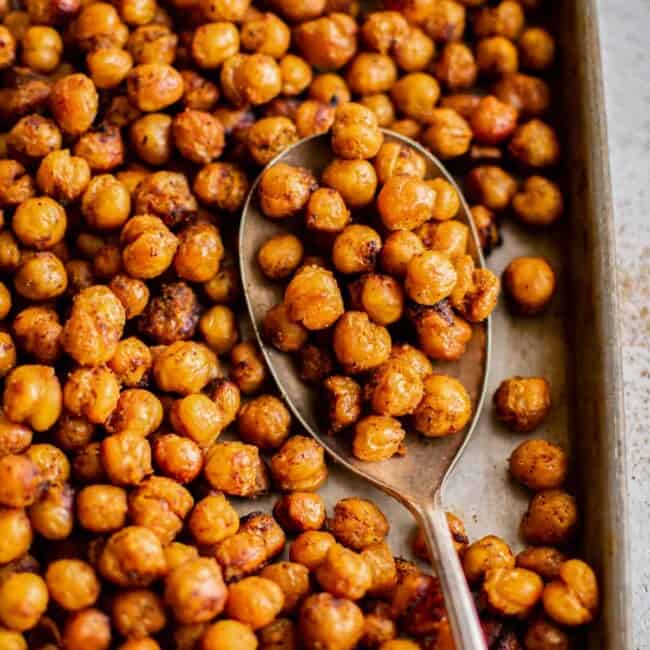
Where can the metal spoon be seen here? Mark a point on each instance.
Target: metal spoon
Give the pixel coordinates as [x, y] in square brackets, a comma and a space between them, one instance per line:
[417, 479]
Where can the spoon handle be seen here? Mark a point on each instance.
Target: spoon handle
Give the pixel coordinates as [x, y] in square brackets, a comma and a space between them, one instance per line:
[465, 625]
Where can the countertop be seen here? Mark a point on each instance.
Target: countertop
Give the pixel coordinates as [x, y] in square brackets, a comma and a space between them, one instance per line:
[624, 31]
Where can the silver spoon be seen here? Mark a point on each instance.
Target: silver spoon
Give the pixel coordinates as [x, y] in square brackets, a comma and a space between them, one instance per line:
[417, 479]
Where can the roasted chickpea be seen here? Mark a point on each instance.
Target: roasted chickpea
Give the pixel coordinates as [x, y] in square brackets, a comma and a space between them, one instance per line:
[226, 634]
[355, 249]
[126, 457]
[344, 573]
[382, 106]
[551, 518]
[151, 138]
[132, 293]
[87, 465]
[539, 465]
[257, 79]
[173, 314]
[10, 254]
[41, 48]
[16, 185]
[329, 622]
[359, 344]
[355, 180]
[399, 248]
[131, 362]
[270, 136]
[92, 393]
[456, 67]
[87, 628]
[370, 73]
[222, 185]
[7, 354]
[463, 103]
[531, 96]
[11, 640]
[212, 520]
[72, 584]
[493, 121]
[380, 296]
[344, 402]
[241, 554]
[497, 56]
[101, 508]
[108, 66]
[378, 626]
[446, 22]
[543, 560]
[264, 421]
[377, 437]
[416, 95]
[310, 548]
[449, 135]
[16, 531]
[442, 335]
[398, 159]
[330, 89]
[219, 328]
[284, 190]
[62, 176]
[224, 287]
[51, 463]
[486, 554]
[33, 137]
[445, 408]
[184, 367]
[355, 132]
[530, 284]
[394, 389]
[300, 511]
[536, 48]
[236, 469]
[199, 252]
[153, 44]
[254, 601]
[543, 635]
[506, 19]
[102, 148]
[178, 457]
[247, 368]
[539, 202]
[430, 277]
[166, 194]
[74, 103]
[154, 86]
[213, 43]
[196, 417]
[198, 92]
[106, 203]
[198, 136]
[535, 144]
[358, 523]
[266, 34]
[327, 43]
[573, 598]
[23, 599]
[8, 47]
[405, 202]
[313, 117]
[136, 613]
[314, 363]
[299, 465]
[492, 187]
[280, 256]
[14, 438]
[512, 592]
[39, 223]
[99, 24]
[281, 331]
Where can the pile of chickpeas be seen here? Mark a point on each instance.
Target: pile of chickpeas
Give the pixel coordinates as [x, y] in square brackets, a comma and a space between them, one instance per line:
[130, 133]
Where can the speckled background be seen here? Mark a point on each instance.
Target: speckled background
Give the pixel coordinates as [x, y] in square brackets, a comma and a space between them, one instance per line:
[624, 32]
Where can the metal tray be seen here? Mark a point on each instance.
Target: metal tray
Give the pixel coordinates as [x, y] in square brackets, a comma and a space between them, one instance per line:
[575, 345]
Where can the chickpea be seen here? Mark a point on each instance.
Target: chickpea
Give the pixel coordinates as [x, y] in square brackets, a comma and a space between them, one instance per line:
[355, 132]
[213, 520]
[16, 532]
[198, 92]
[313, 117]
[101, 508]
[132, 293]
[74, 103]
[531, 96]
[23, 599]
[355, 249]
[137, 613]
[405, 202]
[445, 408]
[41, 276]
[87, 628]
[167, 195]
[7, 47]
[441, 334]
[446, 22]
[310, 548]
[10, 254]
[394, 389]
[198, 136]
[456, 67]
[382, 106]
[496, 56]
[87, 464]
[539, 202]
[329, 88]
[344, 402]
[177, 553]
[344, 573]
[11, 640]
[257, 79]
[266, 34]
[41, 48]
[51, 463]
[380, 296]
[416, 95]
[370, 73]
[92, 393]
[131, 362]
[280, 256]
[378, 626]
[573, 598]
[236, 469]
[542, 635]
[329, 622]
[241, 554]
[154, 86]
[299, 465]
[126, 457]
[506, 19]
[196, 417]
[359, 344]
[327, 43]
[151, 138]
[108, 66]
[270, 136]
[463, 103]
[449, 134]
[377, 437]
[14, 437]
[106, 203]
[222, 185]
[492, 187]
[535, 144]
[102, 148]
[512, 592]
[62, 176]
[226, 634]
[488, 553]
[355, 180]
[33, 137]
[231, 10]
[99, 24]
[184, 367]
[227, 397]
[153, 44]
[539, 465]
[199, 252]
[493, 121]
[543, 560]
[72, 584]
[536, 48]
[247, 368]
[551, 518]
[300, 511]
[254, 601]
[430, 277]
[219, 328]
[398, 159]
[530, 284]
[399, 248]
[358, 523]
[284, 190]
[264, 421]
[7, 354]
[177, 457]
[16, 185]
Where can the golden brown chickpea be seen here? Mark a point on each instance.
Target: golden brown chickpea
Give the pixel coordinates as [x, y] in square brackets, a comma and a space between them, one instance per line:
[177, 553]
[359, 344]
[284, 190]
[132, 293]
[445, 408]
[62, 176]
[355, 132]
[151, 138]
[7, 47]
[313, 298]
[313, 117]
[154, 44]
[573, 598]
[7, 354]
[198, 92]
[415, 11]
[33, 137]
[415, 52]
[212, 520]
[41, 48]
[530, 284]
[126, 458]
[378, 626]
[456, 67]
[484, 555]
[254, 601]
[108, 66]
[74, 103]
[377, 437]
[16, 533]
[398, 159]
[506, 19]
[355, 180]
[99, 24]
[355, 249]
[23, 599]
[539, 202]
[264, 421]
[121, 113]
[199, 136]
[300, 511]
[344, 573]
[344, 402]
[382, 106]
[16, 185]
[236, 469]
[416, 95]
[476, 292]
[400, 247]
[310, 548]
[542, 635]
[32, 396]
[496, 56]
[222, 185]
[463, 103]
[10, 254]
[326, 211]
[241, 554]
[491, 186]
[102, 148]
[101, 508]
[405, 202]
[370, 73]
[14, 438]
[184, 367]
[383, 30]
[218, 326]
[226, 633]
[247, 368]
[94, 328]
[231, 10]
[512, 592]
[327, 43]
[87, 464]
[137, 12]
[108, 262]
[51, 463]
[539, 465]
[160, 504]
[131, 362]
[299, 465]
[281, 331]
[535, 144]
[199, 252]
[72, 584]
[106, 203]
[196, 417]
[88, 628]
[449, 135]
[551, 518]
[531, 96]
[493, 121]
[177, 457]
[430, 277]
[266, 34]
[92, 393]
[296, 75]
[395, 388]
[137, 613]
[270, 136]
[442, 335]
[314, 363]
[132, 557]
[380, 296]
[154, 86]
[543, 560]
[358, 523]
[446, 22]
[11, 640]
[330, 89]
[257, 79]
[536, 48]
[329, 622]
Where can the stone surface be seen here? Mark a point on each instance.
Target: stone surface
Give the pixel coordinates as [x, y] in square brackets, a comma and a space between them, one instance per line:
[624, 28]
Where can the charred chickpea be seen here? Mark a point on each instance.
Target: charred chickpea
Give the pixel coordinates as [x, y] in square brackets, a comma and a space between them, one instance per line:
[355, 180]
[154, 86]
[344, 401]
[530, 95]
[456, 67]
[247, 368]
[445, 408]
[330, 89]
[101, 508]
[33, 137]
[23, 599]
[314, 363]
[41, 48]
[358, 523]
[62, 176]
[299, 465]
[151, 138]
[327, 43]
[536, 48]
[573, 598]
[236, 469]
[535, 144]
[544, 635]
[326, 621]
[512, 592]
[492, 187]
[543, 560]
[166, 194]
[530, 284]
[551, 518]
[355, 249]
[212, 520]
[449, 135]
[284, 190]
[484, 555]
[359, 344]
[497, 56]
[222, 185]
[377, 437]
[108, 66]
[227, 633]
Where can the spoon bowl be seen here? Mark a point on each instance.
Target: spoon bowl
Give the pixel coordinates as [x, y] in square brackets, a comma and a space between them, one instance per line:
[417, 478]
